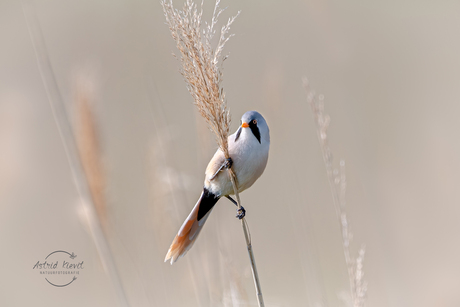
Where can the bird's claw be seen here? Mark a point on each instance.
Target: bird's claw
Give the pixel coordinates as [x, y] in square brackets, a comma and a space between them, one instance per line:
[228, 163]
[240, 213]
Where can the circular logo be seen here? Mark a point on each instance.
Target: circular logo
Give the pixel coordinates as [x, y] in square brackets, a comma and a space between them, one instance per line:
[59, 268]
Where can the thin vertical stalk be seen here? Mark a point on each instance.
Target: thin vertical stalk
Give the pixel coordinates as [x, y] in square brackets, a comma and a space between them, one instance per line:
[247, 237]
[337, 183]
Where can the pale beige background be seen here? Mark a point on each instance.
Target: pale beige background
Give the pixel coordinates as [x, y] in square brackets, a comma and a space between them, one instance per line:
[390, 72]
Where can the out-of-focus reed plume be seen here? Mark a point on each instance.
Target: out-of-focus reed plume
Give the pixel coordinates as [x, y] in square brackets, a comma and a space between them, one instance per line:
[338, 184]
[14, 120]
[64, 126]
[89, 150]
[202, 71]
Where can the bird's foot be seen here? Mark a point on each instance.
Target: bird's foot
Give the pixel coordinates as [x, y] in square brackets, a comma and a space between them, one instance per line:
[228, 163]
[240, 213]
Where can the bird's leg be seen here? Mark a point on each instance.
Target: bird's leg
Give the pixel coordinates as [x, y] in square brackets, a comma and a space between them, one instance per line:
[232, 200]
[241, 212]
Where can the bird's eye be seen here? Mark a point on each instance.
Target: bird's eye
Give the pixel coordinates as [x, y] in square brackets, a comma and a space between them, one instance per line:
[254, 121]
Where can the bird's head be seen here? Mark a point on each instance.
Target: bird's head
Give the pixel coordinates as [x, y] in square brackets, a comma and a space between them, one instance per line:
[254, 124]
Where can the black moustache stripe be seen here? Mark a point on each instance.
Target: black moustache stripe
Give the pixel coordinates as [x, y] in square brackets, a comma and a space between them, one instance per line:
[255, 131]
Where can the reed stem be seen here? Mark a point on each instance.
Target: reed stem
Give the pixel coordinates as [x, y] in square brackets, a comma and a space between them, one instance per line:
[247, 236]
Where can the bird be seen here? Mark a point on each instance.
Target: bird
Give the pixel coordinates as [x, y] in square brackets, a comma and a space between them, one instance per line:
[248, 150]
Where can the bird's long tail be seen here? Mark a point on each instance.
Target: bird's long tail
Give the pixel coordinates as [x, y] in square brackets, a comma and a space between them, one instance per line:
[192, 226]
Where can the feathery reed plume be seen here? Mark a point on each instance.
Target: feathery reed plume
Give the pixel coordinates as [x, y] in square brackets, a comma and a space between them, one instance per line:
[90, 153]
[201, 64]
[202, 71]
[338, 184]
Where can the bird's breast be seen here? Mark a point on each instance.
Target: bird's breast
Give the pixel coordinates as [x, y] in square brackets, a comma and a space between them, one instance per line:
[249, 160]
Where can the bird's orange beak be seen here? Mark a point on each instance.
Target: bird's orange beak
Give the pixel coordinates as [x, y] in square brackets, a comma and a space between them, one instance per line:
[245, 125]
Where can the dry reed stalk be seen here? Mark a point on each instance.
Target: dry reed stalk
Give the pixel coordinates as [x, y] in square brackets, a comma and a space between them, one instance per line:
[90, 153]
[337, 182]
[202, 71]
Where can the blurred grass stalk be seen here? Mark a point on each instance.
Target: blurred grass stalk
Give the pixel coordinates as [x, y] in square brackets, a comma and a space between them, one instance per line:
[202, 72]
[337, 182]
[68, 138]
[165, 180]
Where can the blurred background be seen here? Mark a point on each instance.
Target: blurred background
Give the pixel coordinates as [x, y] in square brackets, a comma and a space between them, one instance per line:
[390, 73]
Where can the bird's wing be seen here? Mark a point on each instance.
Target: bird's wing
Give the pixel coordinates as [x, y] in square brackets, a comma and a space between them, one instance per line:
[216, 164]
